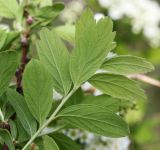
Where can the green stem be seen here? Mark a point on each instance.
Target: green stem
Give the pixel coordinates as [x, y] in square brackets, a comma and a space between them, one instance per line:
[51, 130]
[50, 119]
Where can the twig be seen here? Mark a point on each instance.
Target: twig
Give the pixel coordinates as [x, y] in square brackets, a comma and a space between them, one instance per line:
[19, 73]
[25, 46]
[145, 79]
[5, 147]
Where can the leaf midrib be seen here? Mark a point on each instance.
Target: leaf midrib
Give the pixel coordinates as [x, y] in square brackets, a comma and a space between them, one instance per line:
[130, 91]
[92, 119]
[55, 63]
[124, 63]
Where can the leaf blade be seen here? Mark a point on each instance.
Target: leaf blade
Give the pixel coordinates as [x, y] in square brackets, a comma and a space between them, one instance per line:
[127, 64]
[117, 86]
[95, 119]
[5, 135]
[49, 143]
[103, 101]
[8, 8]
[66, 32]
[8, 65]
[64, 142]
[37, 83]
[3, 37]
[51, 49]
[18, 103]
[92, 46]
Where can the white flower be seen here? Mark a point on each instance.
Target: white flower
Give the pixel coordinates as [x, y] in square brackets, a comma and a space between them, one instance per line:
[96, 142]
[71, 12]
[57, 96]
[74, 134]
[144, 15]
[98, 16]
[86, 137]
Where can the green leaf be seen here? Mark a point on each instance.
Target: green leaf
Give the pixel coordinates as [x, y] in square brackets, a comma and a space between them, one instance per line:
[76, 98]
[7, 109]
[6, 39]
[93, 41]
[66, 32]
[55, 56]
[3, 101]
[22, 135]
[39, 143]
[49, 143]
[6, 137]
[38, 90]
[49, 12]
[117, 86]
[11, 36]
[45, 3]
[95, 119]
[13, 129]
[3, 37]
[127, 65]
[94, 5]
[22, 111]
[64, 142]
[8, 8]
[8, 65]
[109, 102]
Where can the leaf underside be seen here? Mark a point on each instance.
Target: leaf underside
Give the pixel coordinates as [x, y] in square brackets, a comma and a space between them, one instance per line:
[38, 89]
[95, 119]
[92, 44]
[126, 64]
[117, 86]
[55, 56]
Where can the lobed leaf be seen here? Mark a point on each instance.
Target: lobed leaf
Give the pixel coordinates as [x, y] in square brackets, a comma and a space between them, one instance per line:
[92, 43]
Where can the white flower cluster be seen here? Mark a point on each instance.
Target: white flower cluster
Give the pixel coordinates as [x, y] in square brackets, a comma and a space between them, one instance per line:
[95, 142]
[72, 10]
[144, 15]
